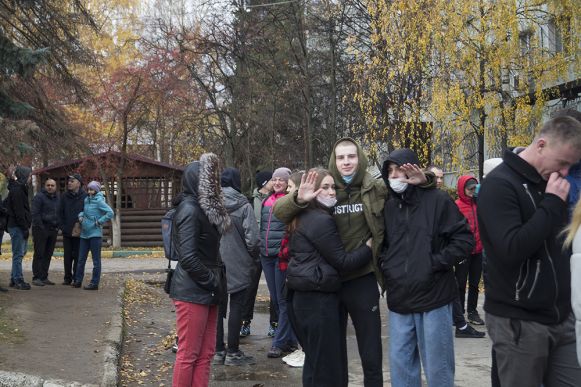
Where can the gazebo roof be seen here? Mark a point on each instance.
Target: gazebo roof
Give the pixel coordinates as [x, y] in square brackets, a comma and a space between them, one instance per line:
[146, 167]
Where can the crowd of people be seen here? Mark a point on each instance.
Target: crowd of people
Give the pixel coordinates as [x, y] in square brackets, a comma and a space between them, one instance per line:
[78, 214]
[330, 242]
[337, 238]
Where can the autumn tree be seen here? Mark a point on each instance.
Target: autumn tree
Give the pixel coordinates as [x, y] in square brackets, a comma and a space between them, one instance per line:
[39, 44]
[393, 73]
[495, 64]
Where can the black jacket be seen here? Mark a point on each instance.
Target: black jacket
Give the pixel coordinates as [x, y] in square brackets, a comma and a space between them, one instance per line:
[527, 269]
[18, 206]
[317, 254]
[425, 235]
[199, 276]
[44, 211]
[70, 204]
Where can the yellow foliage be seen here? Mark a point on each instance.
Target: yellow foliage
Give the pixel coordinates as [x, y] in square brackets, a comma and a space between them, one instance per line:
[470, 67]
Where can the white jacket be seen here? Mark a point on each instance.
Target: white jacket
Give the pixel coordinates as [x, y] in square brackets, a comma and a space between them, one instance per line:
[576, 288]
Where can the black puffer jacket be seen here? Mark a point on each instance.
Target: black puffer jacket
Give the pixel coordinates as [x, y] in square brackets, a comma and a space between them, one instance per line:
[70, 205]
[44, 211]
[18, 206]
[425, 235]
[199, 219]
[317, 254]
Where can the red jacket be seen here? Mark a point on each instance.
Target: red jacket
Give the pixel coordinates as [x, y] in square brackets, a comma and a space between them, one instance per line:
[467, 207]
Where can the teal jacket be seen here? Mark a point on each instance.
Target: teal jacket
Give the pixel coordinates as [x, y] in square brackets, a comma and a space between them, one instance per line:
[95, 213]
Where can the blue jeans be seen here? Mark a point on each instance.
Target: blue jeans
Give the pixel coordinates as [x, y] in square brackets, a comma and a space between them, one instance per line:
[275, 280]
[93, 244]
[19, 246]
[428, 334]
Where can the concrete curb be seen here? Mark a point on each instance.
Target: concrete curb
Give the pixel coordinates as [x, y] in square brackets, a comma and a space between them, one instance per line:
[114, 341]
[17, 379]
[111, 355]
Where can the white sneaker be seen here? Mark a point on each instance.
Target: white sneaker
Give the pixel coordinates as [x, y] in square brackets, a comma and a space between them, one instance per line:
[291, 355]
[295, 359]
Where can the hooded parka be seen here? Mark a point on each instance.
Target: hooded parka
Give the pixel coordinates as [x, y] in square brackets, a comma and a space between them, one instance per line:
[198, 222]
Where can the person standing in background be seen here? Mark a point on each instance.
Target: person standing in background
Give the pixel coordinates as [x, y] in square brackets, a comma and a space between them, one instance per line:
[44, 231]
[70, 204]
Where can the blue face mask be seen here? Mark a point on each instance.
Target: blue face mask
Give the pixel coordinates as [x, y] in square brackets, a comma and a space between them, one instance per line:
[347, 179]
[476, 190]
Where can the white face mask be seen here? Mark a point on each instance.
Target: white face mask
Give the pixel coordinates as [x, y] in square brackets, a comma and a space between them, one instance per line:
[397, 185]
[328, 201]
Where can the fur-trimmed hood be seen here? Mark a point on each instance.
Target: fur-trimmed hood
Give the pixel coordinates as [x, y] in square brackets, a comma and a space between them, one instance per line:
[201, 180]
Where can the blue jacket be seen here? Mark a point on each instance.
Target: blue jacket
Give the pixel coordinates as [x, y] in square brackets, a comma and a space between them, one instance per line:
[95, 213]
[574, 178]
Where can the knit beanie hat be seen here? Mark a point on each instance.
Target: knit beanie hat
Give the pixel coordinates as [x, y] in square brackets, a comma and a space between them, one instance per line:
[489, 165]
[231, 178]
[95, 186]
[262, 177]
[281, 173]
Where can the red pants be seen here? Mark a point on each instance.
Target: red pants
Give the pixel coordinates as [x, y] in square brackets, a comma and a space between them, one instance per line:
[196, 329]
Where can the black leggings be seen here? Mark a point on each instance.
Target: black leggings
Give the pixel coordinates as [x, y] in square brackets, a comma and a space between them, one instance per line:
[237, 301]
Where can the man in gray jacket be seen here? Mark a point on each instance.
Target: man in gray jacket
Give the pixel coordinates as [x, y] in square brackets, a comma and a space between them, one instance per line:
[239, 248]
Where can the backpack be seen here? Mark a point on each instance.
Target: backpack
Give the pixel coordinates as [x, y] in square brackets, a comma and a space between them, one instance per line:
[3, 214]
[166, 227]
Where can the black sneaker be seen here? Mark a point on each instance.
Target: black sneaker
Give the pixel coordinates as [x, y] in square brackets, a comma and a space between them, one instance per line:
[245, 329]
[67, 282]
[219, 358]
[37, 282]
[238, 359]
[3, 289]
[22, 285]
[47, 282]
[11, 283]
[91, 286]
[469, 333]
[474, 318]
[76, 284]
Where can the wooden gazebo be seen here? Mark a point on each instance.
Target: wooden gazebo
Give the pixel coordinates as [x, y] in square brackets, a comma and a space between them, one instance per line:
[147, 188]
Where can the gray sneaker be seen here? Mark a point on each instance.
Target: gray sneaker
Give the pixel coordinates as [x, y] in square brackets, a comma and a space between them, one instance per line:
[38, 282]
[219, 358]
[238, 359]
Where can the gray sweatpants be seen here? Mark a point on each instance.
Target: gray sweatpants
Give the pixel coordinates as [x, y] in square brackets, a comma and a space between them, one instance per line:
[529, 353]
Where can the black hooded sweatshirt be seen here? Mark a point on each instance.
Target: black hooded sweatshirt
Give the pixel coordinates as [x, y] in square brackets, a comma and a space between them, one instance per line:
[425, 235]
[18, 205]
